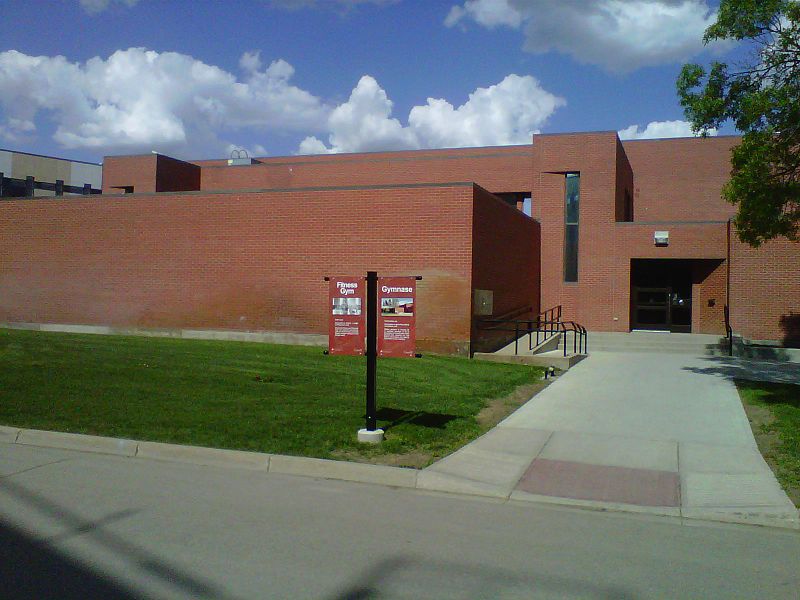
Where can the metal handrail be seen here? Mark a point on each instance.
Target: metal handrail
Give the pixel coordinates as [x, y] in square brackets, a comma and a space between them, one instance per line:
[528, 324]
[580, 337]
[548, 323]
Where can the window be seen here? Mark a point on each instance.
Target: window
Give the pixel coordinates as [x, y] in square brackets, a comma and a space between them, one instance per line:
[571, 214]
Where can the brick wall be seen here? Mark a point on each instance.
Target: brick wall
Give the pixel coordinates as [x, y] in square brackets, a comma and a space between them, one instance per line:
[505, 260]
[661, 171]
[149, 173]
[250, 261]
[624, 183]
[680, 179]
[706, 243]
[173, 175]
[126, 171]
[765, 291]
[501, 169]
[590, 300]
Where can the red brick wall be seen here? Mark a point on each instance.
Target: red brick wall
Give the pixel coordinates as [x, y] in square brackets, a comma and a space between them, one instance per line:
[624, 183]
[501, 169]
[765, 291]
[246, 261]
[706, 242]
[173, 175]
[600, 300]
[681, 179]
[125, 171]
[149, 173]
[590, 300]
[709, 294]
[505, 260]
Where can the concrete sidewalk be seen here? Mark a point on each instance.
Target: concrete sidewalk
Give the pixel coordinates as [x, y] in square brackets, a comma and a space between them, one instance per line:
[660, 433]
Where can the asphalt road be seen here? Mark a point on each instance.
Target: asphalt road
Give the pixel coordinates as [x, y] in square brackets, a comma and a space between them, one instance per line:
[76, 525]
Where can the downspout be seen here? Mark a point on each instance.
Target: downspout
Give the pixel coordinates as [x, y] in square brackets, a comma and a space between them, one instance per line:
[728, 327]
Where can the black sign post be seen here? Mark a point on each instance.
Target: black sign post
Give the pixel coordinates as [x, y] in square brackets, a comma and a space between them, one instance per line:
[372, 349]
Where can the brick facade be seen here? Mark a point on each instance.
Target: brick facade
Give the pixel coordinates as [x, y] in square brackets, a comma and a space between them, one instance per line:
[206, 245]
[500, 169]
[250, 261]
[765, 291]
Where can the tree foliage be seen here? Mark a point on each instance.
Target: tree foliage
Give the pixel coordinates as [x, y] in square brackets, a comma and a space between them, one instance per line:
[762, 99]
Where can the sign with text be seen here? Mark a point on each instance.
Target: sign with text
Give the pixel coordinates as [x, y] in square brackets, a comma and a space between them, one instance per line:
[396, 316]
[346, 323]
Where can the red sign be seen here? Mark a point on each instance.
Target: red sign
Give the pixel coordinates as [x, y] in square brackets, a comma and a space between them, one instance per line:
[347, 308]
[396, 321]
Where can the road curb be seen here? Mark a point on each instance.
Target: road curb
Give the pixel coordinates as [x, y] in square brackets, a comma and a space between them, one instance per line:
[347, 471]
[8, 434]
[77, 441]
[199, 455]
[360, 472]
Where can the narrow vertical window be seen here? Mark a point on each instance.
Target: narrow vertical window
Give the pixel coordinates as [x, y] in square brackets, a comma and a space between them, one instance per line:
[571, 212]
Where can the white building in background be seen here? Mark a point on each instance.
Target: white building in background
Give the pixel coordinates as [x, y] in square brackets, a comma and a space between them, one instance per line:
[27, 175]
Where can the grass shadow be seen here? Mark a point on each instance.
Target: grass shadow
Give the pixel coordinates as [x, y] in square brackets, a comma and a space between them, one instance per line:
[397, 416]
[772, 393]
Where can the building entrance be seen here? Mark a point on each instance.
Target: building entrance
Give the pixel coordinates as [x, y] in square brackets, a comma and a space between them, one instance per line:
[661, 295]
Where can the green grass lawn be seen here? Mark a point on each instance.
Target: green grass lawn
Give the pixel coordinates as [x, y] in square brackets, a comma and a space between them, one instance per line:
[279, 399]
[783, 402]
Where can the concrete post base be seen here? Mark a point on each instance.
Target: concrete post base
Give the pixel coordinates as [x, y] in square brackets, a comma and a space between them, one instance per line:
[370, 437]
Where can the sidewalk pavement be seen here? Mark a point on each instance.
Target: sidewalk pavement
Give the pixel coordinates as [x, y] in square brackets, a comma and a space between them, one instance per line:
[645, 432]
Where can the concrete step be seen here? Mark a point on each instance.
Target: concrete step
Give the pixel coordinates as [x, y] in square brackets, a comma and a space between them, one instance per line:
[546, 359]
[641, 341]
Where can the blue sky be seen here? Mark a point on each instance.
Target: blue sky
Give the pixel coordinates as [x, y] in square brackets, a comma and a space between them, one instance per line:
[194, 79]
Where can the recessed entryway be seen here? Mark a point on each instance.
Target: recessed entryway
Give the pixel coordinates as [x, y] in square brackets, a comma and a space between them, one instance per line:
[661, 294]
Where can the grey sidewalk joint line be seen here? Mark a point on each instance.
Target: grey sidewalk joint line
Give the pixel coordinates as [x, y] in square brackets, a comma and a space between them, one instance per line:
[33, 468]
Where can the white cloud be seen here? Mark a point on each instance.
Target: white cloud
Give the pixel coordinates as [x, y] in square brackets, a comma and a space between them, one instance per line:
[97, 6]
[660, 129]
[489, 13]
[618, 35]
[506, 113]
[363, 123]
[138, 99]
[313, 145]
[252, 151]
[250, 61]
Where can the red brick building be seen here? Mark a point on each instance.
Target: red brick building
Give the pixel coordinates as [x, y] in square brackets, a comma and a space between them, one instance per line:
[623, 235]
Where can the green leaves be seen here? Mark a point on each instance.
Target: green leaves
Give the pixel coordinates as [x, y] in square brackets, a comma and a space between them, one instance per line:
[763, 100]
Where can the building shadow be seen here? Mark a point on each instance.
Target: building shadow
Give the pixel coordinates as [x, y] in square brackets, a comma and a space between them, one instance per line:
[31, 569]
[397, 416]
[734, 368]
[402, 575]
[791, 330]
[44, 572]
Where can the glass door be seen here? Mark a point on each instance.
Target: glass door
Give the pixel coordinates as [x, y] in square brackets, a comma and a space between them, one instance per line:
[651, 308]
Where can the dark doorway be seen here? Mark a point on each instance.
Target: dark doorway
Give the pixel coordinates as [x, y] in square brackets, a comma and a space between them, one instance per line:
[661, 294]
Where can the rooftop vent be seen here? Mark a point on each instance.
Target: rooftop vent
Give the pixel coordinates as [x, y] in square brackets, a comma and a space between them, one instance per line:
[240, 157]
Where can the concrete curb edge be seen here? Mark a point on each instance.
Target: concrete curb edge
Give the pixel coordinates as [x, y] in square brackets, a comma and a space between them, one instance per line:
[340, 470]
